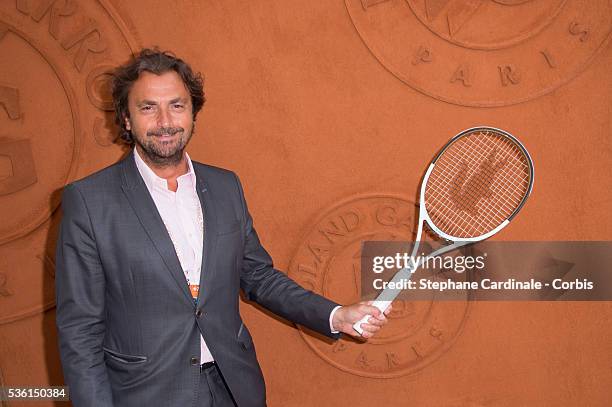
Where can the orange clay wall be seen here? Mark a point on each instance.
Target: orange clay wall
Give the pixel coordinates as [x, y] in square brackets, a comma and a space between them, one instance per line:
[329, 111]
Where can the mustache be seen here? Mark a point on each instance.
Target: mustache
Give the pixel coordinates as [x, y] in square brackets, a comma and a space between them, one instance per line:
[162, 131]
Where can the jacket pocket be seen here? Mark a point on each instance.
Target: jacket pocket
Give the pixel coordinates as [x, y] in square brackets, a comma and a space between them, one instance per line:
[124, 358]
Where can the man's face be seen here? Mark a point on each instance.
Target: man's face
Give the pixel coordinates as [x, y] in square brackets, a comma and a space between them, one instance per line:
[161, 119]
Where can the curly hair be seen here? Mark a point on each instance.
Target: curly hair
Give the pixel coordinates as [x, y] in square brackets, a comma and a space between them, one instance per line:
[157, 62]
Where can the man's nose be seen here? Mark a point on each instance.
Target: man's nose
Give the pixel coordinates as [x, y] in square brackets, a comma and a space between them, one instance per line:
[164, 119]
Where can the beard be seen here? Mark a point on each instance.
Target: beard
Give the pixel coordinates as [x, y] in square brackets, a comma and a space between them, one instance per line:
[160, 152]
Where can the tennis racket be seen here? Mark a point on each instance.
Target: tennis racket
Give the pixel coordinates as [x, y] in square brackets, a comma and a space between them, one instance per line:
[472, 189]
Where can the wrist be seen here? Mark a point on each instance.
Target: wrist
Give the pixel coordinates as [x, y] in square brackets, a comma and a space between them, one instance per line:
[336, 321]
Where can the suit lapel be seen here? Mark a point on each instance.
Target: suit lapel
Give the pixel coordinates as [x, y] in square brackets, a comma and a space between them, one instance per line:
[141, 201]
[207, 203]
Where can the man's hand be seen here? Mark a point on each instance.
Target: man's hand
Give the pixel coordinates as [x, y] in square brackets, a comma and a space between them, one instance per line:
[346, 316]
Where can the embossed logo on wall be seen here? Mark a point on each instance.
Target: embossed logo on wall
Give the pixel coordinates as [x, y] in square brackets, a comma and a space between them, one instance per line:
[53, 105]
[483, 52]
[39, 139]
[329, 262]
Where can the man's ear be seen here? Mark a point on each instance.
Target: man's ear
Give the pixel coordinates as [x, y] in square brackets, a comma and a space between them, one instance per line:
[128, 125]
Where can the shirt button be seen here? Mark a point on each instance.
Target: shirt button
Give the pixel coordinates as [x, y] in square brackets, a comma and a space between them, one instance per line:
[194, 361]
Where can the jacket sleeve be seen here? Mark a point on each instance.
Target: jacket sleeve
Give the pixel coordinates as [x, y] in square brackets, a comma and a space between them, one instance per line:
[80, 295]
[275, 291]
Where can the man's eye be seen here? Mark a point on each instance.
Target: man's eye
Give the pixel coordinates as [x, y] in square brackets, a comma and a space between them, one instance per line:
[146, 108]
[178, 106]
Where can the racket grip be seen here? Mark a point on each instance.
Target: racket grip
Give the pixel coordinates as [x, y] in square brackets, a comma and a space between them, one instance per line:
[381, 305]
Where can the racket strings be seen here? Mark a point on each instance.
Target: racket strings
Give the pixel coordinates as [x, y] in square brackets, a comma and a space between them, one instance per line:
[504, 178]
[477, 182]
[467, 198]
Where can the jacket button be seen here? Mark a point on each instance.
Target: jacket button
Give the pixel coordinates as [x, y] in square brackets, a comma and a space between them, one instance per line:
[194, 361]
[198, 313]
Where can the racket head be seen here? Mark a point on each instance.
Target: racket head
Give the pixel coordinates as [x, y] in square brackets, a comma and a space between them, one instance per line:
[476, 184]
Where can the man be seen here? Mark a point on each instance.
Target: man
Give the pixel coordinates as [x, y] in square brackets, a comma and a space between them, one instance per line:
[151, 256]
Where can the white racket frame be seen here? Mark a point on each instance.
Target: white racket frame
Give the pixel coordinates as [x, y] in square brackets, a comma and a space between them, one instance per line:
[386, 297]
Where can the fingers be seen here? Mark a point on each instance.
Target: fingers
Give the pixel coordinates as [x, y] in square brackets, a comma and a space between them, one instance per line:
[369, 330]
[388, 310]
[374, 312]
[366, 309]
[377, 321]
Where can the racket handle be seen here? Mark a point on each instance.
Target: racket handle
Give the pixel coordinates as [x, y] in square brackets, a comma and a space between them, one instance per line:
[381, 305]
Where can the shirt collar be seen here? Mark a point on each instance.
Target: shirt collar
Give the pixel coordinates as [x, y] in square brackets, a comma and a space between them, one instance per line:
[153, 181]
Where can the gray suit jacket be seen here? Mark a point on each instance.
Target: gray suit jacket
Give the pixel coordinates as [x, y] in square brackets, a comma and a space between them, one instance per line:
[128, 327]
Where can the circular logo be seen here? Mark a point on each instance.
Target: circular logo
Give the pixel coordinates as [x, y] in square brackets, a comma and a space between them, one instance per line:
[329, 262]
[39, 136]
[483, 52]
[54, 127]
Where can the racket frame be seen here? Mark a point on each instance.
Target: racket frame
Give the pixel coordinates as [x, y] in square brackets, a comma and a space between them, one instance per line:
[386, 297]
